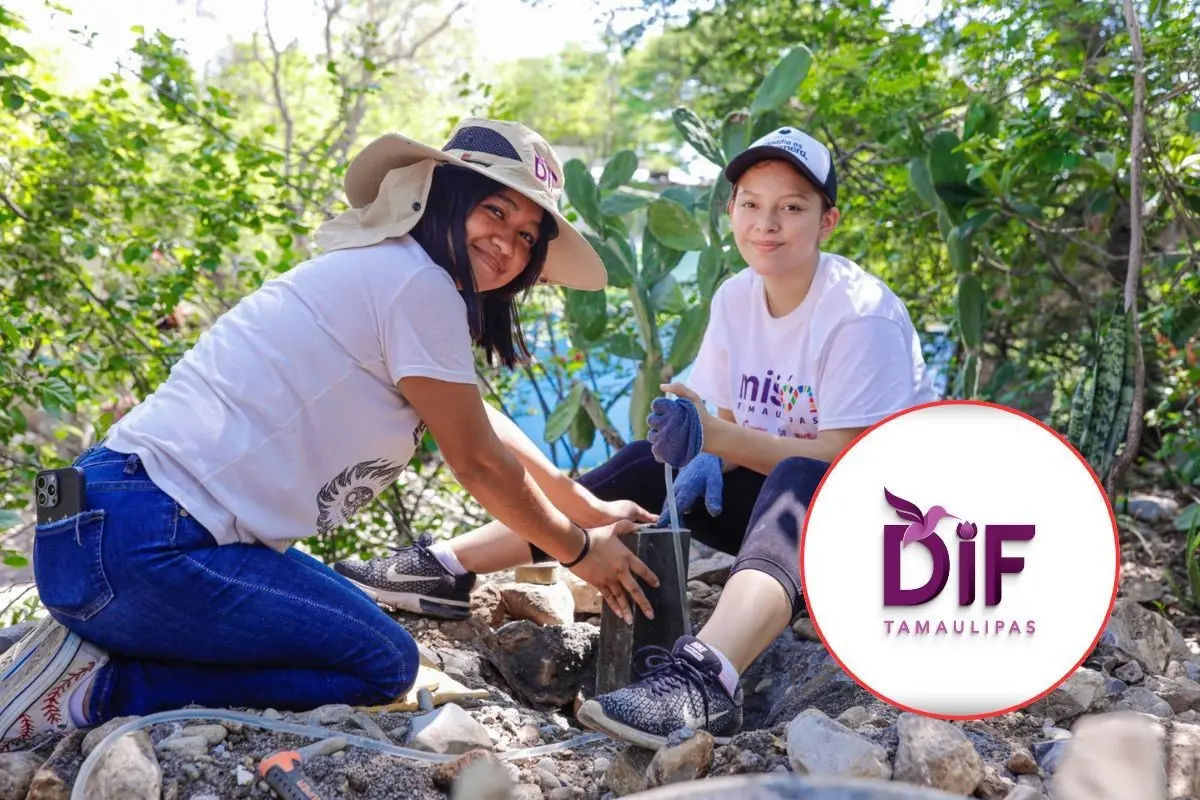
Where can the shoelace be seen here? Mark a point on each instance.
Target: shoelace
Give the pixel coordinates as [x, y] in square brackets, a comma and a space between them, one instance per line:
[664, 671]
[424, 542]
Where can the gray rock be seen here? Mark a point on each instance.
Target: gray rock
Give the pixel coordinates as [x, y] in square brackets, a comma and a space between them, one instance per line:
[97, 735]
[1180, 742]
[1138, 634]
[213, 734]
[587, 597]
[1112, 757]
[935, 753]
[461, 663]
[1151, 508]
[16, 773]
[527, 791]
[547, 780]
[1182, 694]
[1116, 686]
[545, 605]
[53, 779]
[449, 729]
[1076, 696]
[805, 629]
[994, 785]
[1024, 793]
[334, 714]
[483, 779]
[627, 772]
[185, 745]
[545, 666]
[817, 745]
[1143, 701]
[688, 761]
[1021, 762]
[854, 717]
[1033, 782]
[127, 769]
[1130, 673]
[713, 570]
[1050, 754]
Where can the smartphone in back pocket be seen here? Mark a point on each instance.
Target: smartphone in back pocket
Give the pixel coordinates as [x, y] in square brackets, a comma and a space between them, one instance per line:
[59, 493]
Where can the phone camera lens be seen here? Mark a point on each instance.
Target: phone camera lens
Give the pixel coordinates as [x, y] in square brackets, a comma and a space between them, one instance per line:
[41, 482]
[52, 489]
[42, 499]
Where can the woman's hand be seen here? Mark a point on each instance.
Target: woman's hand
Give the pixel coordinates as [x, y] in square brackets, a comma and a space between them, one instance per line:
[611, 567]
[591, 512]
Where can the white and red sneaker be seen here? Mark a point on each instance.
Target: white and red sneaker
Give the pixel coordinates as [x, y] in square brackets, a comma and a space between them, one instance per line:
[38, 677]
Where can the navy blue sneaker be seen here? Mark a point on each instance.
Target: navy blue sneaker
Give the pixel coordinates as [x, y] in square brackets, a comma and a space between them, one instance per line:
[412, 580]
[677, 689]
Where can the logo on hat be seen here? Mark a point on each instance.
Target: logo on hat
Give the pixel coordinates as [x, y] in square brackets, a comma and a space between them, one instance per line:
[966, 620]
[543, 172]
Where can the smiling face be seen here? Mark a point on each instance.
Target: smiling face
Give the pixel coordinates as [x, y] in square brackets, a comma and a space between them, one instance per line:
[778, 219]
[501, 233]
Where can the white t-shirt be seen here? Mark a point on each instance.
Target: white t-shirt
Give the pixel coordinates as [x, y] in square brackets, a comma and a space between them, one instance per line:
[284, 419]
[848, 356]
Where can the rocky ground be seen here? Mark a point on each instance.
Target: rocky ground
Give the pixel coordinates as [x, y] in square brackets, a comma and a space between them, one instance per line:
[1126, 725]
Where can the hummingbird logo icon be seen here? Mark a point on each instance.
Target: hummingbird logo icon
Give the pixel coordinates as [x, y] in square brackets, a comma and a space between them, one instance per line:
[920, 525]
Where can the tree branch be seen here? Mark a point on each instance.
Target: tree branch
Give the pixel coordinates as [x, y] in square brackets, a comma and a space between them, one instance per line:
[289, 127]
[592, 406]
[13, 207]
[1133, 435]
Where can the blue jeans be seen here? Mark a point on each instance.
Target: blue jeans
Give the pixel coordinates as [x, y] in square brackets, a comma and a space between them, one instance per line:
[186, 621]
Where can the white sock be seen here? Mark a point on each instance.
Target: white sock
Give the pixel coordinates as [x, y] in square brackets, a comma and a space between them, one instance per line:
[729, 675]
[446, 556]
[75, 702]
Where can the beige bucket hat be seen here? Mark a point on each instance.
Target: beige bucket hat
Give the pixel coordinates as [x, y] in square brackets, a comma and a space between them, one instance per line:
[387, 185]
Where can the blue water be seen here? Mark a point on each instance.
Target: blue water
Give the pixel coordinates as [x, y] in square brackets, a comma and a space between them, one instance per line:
[611, 374]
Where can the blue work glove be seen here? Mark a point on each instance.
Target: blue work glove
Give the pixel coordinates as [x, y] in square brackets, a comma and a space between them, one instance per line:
[676, 435]
[702, 476]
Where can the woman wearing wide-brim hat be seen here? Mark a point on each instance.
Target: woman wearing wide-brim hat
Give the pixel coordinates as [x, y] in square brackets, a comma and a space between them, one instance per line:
[177, 584]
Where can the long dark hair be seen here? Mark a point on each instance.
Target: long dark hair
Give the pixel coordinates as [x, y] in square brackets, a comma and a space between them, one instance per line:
[442, 232]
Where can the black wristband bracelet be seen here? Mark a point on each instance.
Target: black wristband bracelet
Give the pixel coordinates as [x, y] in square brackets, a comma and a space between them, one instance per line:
[587, 545]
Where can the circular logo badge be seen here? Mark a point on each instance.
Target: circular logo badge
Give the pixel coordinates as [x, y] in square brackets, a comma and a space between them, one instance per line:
[960, 560]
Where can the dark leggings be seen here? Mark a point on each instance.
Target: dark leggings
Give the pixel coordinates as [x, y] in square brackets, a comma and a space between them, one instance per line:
[761, 516]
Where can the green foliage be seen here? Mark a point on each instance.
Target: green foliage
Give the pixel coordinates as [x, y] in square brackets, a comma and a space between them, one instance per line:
[1100, 406]
[983, 162]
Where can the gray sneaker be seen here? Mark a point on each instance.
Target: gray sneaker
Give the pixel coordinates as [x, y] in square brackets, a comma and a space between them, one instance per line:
[679, 689]
[37, 677]
[412, 580]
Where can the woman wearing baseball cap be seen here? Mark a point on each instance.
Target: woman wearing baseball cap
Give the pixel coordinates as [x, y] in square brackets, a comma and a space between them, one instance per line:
[176, 583]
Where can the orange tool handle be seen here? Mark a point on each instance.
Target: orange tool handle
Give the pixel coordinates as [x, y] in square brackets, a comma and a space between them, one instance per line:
[283, 773]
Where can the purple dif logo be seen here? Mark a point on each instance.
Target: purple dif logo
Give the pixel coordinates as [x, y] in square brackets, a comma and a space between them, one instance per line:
[542, 171]
[921, 530]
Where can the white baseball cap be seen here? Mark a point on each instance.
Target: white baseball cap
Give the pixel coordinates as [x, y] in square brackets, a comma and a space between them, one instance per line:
[797, 148]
